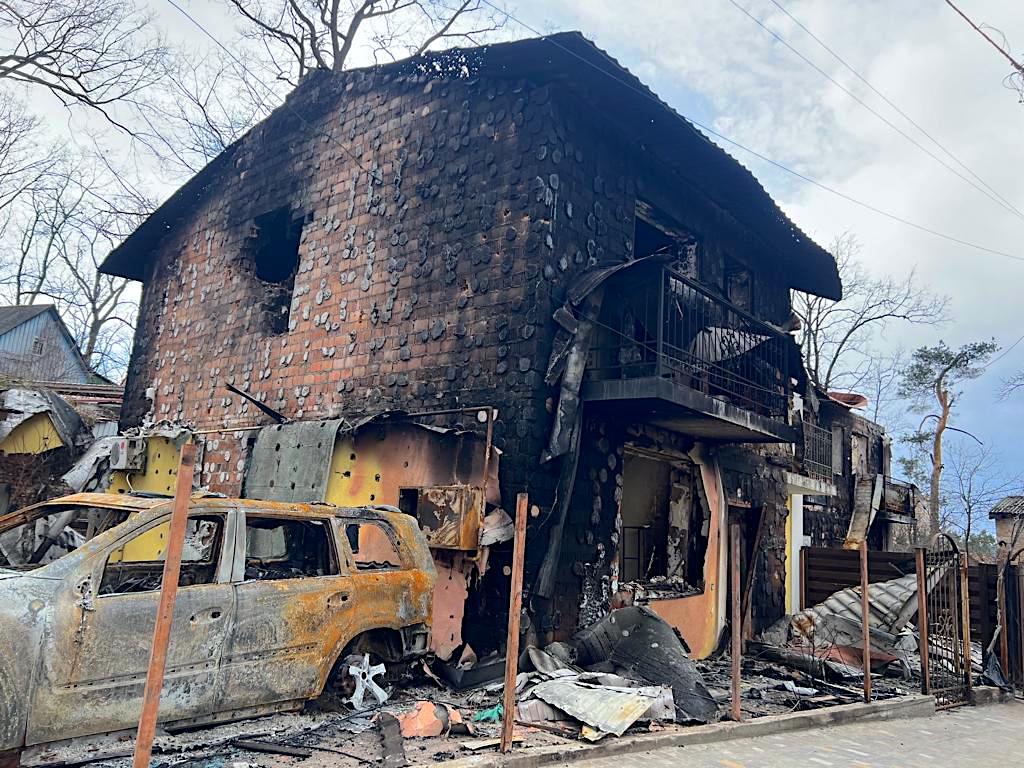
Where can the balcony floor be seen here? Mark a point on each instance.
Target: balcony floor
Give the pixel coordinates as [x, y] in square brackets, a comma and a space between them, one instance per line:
[662, 402]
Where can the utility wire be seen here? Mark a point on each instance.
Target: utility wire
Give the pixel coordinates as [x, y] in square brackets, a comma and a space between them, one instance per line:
[993, 197]
[886, 99]
[651, 97]
[707, 129]
[255, 78]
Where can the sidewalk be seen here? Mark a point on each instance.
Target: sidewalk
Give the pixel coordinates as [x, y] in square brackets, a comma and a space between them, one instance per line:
[965, 738]
[715, 734]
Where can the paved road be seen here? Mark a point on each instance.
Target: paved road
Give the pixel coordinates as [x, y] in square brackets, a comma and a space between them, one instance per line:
[961, 738]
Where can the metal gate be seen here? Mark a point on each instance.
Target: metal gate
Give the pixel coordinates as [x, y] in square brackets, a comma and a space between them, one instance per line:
[945, 633]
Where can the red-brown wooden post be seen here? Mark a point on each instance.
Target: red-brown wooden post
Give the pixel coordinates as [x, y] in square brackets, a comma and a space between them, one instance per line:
[865, 618]
[165, 608]
[736, 619]
[922, 619]
[515, 607]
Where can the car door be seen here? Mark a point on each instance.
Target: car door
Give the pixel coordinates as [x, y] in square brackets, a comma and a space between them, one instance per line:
[102, 631]
[381, 573]
[293, 608]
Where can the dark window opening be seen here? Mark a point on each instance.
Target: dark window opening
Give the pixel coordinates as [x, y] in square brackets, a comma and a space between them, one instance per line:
[665, 526]
[739, 285]
[31, 545]
[275, 262]
[654, 234]
[138, 564]
[373, 546]
[287, 549]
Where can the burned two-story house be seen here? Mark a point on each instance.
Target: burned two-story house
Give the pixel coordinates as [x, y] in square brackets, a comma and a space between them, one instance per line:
[444, 281]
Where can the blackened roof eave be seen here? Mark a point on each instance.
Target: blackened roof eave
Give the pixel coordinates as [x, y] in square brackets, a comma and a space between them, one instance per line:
[808, 266]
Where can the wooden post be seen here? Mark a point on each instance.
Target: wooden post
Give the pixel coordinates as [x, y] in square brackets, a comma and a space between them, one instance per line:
[865, 605]
[1004, 630]
[965, 617]
[515, 607]
[922, 619]
[165, 608]
[736, 651]
[803, 578]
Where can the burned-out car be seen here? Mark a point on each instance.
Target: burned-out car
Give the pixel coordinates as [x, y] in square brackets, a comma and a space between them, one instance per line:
[276, 602]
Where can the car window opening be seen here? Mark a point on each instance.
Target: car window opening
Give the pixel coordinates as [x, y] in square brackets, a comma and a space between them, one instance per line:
[372, 546]
[138, 564]
[287, 549]
[49, 537]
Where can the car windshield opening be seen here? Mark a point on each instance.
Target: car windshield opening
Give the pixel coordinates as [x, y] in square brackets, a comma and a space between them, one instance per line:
[62, 529]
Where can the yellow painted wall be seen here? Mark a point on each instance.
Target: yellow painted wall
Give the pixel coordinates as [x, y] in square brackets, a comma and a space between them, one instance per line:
[34, 435]
[160, 476]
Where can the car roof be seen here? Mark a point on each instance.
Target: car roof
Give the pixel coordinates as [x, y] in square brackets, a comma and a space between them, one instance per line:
[141, 502]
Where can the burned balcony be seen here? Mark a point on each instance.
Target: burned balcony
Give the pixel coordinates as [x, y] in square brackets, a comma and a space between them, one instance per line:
[675, 354]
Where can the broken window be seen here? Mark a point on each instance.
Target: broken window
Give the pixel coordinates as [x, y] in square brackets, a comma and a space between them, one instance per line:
[275, 253]
[62, 529]
[654, 234]
[665, 524]
[739, 285]
[138, 564]
[372, 545]
[277, 548]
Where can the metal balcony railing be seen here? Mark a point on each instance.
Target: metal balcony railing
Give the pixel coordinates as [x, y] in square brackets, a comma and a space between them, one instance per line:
[666, 325]
[817, 461]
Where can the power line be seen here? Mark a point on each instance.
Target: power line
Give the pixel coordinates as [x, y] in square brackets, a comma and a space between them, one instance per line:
[886, 99]
[707, 129]
[255, 78]
[651, 97]
[1005, 352]
[993, 197]
[1016, 65]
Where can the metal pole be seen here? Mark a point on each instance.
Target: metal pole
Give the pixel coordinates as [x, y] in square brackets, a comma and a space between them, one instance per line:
[965, 617]
[165, 609]
[515, 607]
[922, 619]
[736, 650]
[865, 618]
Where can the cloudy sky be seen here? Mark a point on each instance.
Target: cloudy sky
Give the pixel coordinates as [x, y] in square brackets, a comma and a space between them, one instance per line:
[715, 64]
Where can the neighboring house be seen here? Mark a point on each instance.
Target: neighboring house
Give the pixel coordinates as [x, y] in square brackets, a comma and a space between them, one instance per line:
[36, 346]
[523, 227]
[1009, 519]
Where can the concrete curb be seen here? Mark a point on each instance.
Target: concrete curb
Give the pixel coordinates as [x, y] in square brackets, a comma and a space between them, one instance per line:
[904, 707]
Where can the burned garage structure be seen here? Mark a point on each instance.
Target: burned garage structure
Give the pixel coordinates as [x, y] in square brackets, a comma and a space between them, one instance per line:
[474, 273]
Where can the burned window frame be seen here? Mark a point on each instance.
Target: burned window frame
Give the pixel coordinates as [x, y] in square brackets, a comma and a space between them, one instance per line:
[389, 532]
[279, 228]
[219, 564]
[334, 555]
[697, 540]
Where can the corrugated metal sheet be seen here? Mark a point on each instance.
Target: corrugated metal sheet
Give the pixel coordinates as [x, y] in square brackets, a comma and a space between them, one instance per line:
[891, 604]
[1011, 506]
[606, 709]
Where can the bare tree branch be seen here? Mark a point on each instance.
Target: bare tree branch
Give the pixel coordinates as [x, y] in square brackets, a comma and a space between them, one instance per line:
[837, 337]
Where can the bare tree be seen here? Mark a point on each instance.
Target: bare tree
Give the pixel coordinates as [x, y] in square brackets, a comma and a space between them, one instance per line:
[207, 103]
[839, 337]
[930, 381]
[301, 35]
[52, 248]
[94, 53]
[976, 480]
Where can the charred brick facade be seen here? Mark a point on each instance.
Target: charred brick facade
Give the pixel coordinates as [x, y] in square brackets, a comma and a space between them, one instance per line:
[400, 238]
